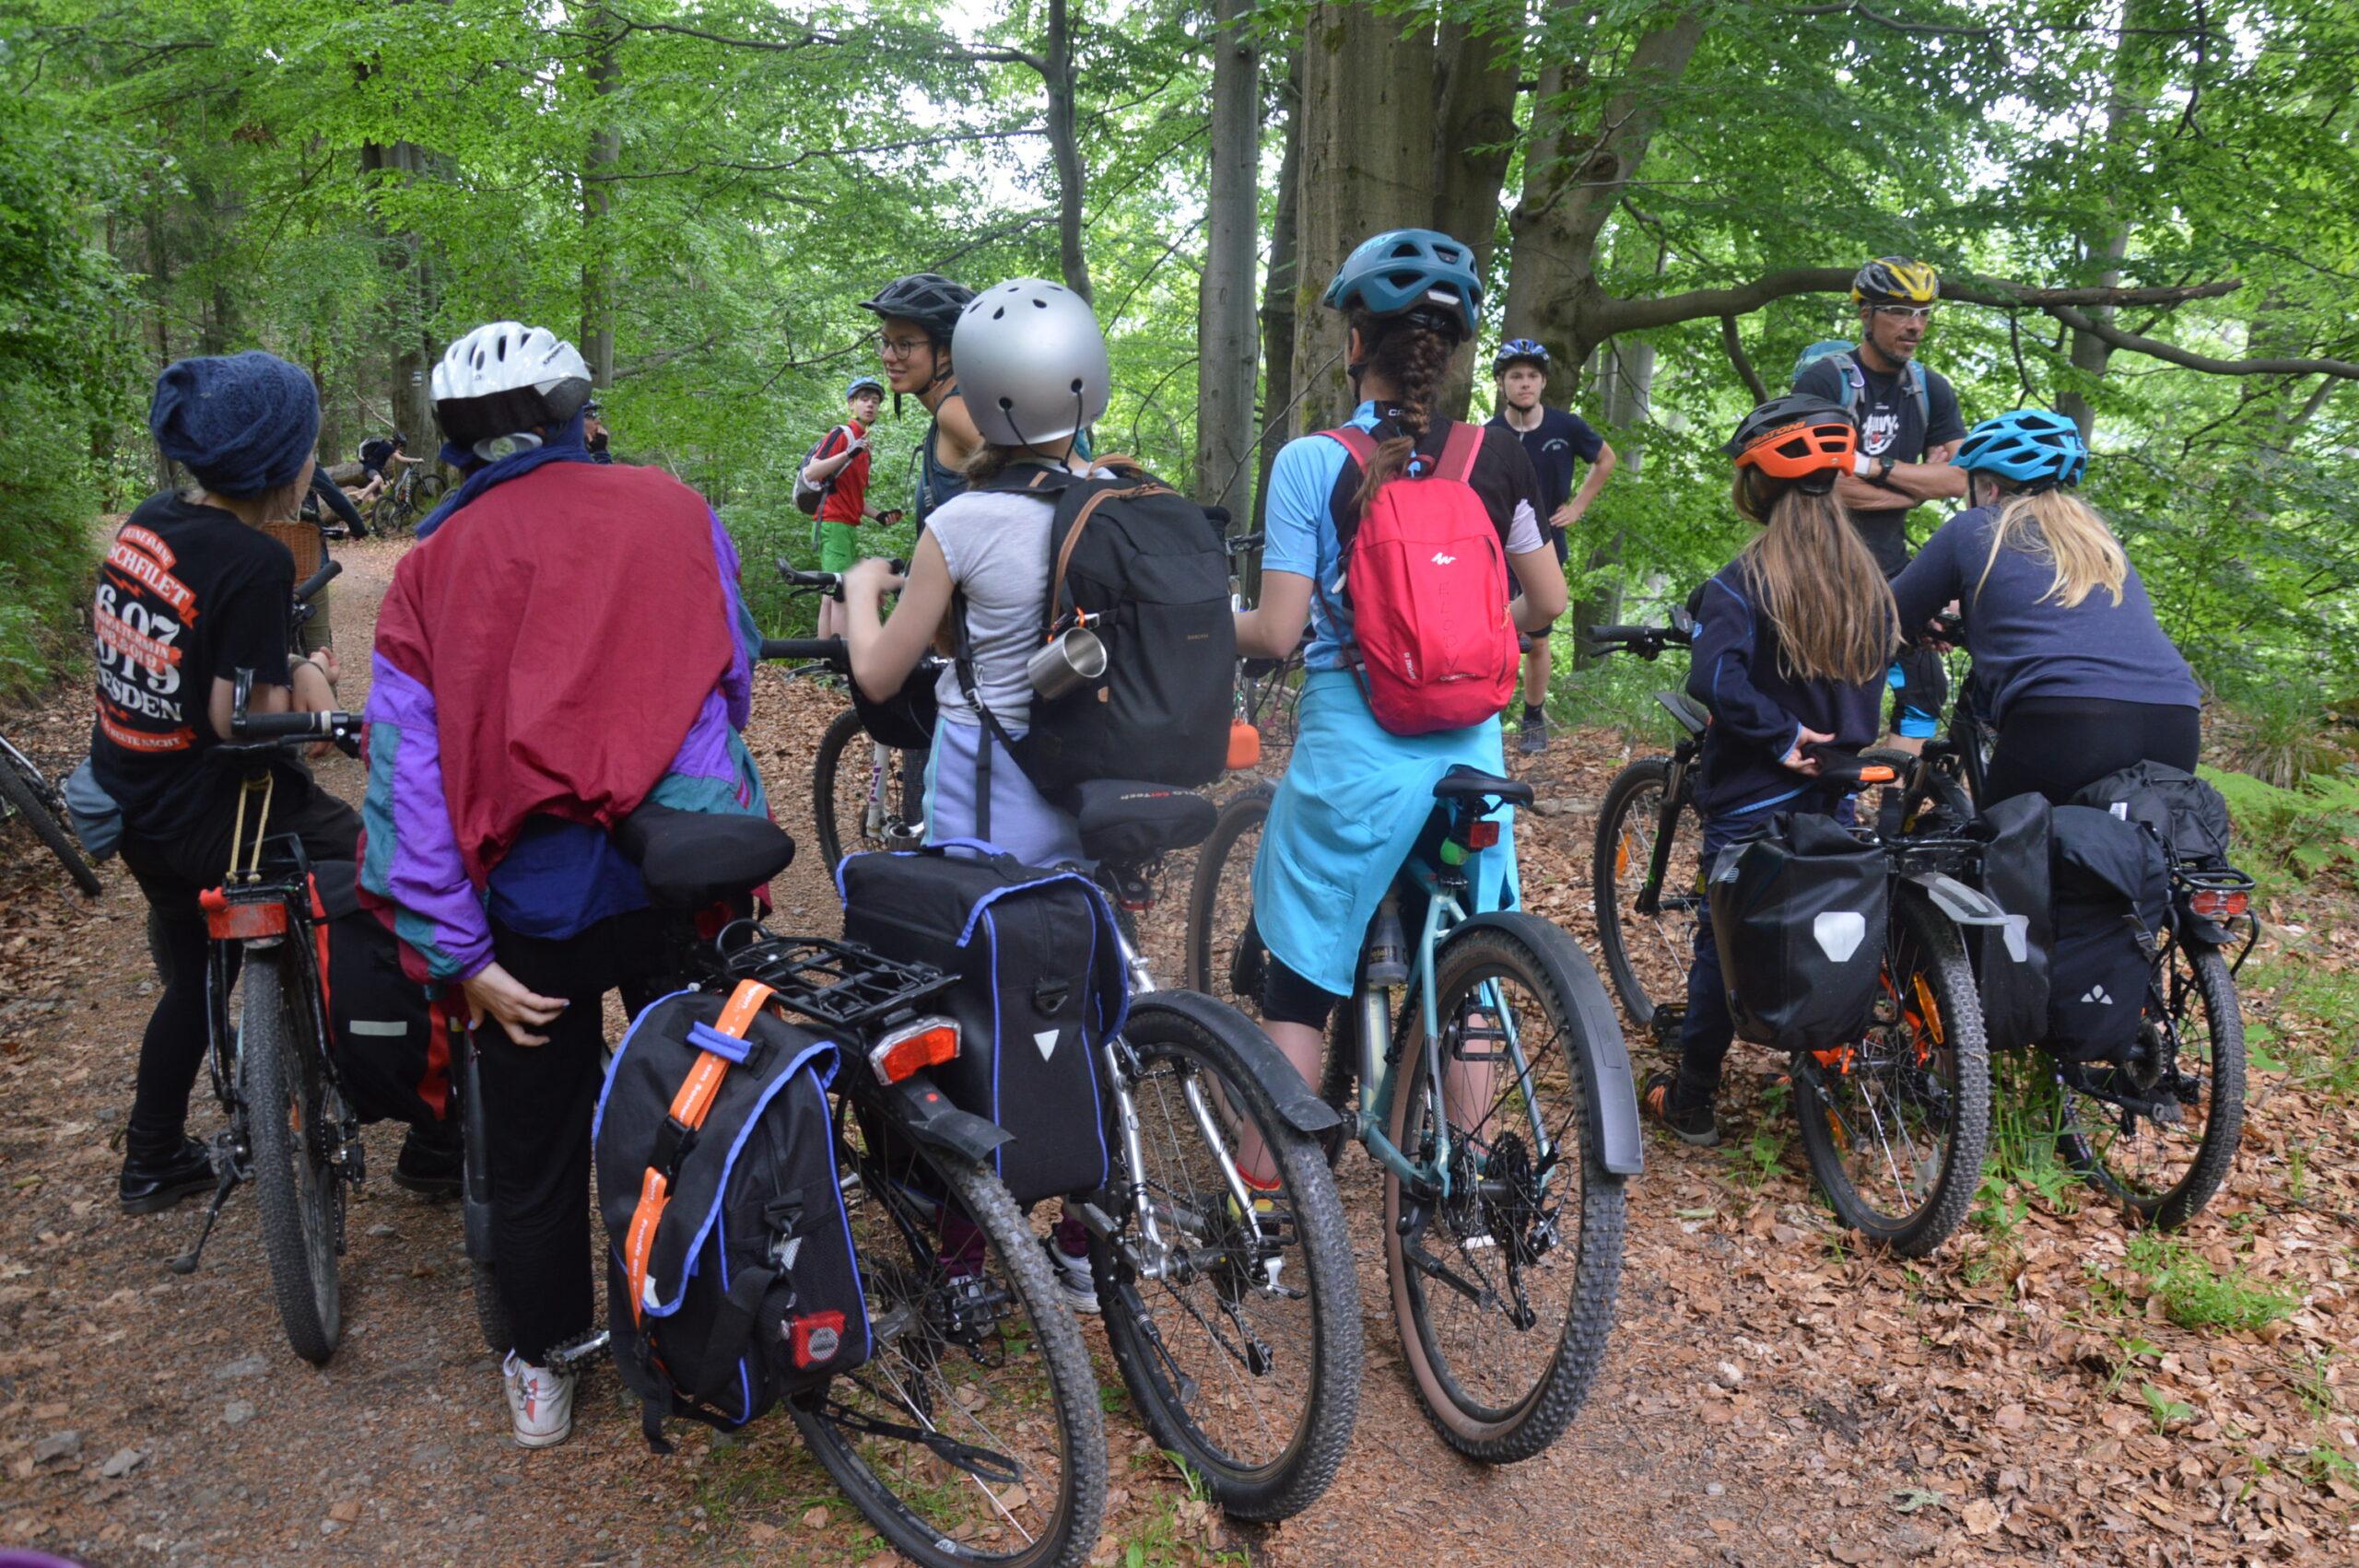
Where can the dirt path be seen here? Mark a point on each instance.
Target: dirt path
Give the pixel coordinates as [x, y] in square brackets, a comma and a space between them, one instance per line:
[1771, 1397]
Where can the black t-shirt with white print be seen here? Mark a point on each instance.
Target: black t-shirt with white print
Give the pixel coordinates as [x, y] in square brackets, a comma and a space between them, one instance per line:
[1889, 426]
[187, 593]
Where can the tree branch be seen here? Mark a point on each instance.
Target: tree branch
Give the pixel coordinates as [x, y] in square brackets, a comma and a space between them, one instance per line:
[801, 159]
[1735, 346]
[1696, 304]
[2171, 354]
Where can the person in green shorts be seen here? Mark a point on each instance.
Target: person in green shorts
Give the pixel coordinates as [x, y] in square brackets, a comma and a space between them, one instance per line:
[840, 465]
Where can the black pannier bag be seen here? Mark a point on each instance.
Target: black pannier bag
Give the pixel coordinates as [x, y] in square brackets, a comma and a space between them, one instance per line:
[2108, 899]
[2010, 963]
[717, 1183]
[394, 1063]
[1799, 915]
[1040, 989]
[2186, 813]
[1150, 570]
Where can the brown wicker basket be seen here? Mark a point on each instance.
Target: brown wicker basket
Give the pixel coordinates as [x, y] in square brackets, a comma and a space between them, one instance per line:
[303, 540]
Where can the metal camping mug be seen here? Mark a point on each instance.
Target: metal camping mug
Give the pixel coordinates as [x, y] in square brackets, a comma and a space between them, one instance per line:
[1067, 664]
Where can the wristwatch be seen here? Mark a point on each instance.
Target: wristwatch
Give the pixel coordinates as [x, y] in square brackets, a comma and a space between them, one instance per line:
[1883, 473]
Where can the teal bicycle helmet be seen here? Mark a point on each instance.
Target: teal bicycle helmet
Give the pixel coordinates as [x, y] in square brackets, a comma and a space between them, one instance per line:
[2027, 446]
[1407, 271]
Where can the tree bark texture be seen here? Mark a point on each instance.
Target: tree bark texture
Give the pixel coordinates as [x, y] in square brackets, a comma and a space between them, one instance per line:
[1225, 303]
[1278, 420]
[1474, 131]
[598, 284]
[1065, 148]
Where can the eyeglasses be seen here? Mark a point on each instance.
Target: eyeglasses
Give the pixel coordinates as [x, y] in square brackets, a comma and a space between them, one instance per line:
[1906, 312]
[899, 347]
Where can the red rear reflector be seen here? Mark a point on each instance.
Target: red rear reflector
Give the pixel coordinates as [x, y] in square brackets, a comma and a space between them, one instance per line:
[913, 1047]
[225, 921]
[2215, 904]
[817, 1339]
[1482, 835]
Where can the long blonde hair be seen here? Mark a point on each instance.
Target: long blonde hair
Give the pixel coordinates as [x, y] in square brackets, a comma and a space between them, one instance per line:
[1818, 585]
[2065, 532]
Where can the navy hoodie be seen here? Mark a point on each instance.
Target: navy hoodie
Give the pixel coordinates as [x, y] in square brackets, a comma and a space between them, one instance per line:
[1757, 710]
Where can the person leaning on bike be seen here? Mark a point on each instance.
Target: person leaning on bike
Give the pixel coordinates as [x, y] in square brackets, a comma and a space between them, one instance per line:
[1908, 427]
[2077, 677]
[569, 646]
[1792, 640]
[1355, 797]
[191, 593]
[916, 316]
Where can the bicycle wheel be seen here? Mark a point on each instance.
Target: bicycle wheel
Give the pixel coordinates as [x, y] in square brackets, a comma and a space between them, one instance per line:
[1220, 895]
[974, 1351]
[1647, 955]
[2165, 1154]
[1504, 1289]
[297, 1189]
[1895, 1125]
[856, 807]
[428, 488]
[28, 795]
[1243, 1357]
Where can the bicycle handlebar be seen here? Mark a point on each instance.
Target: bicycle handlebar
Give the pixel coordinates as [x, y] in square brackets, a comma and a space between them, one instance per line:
[829, 650]
[1647, 642]
[1244, 543]
[317, 580]
[326, 725]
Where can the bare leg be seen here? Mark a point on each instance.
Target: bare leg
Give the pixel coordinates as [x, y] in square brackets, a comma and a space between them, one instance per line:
[1301, 1046]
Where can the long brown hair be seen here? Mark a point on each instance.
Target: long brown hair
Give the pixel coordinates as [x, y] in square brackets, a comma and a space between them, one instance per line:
[989, 462]
[1414, 358]
[2067, 532]
[1818, 583]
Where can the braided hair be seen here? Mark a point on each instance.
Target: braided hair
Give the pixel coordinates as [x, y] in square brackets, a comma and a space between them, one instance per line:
[1412, 353]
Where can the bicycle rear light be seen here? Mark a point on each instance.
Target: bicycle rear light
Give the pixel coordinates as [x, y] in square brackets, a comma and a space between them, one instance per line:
[246, 921]
[913, 1047]
[2214, 904]
[1482, 835]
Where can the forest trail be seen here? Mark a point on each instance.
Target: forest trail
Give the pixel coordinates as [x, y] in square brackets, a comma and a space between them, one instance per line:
[1771, 1397]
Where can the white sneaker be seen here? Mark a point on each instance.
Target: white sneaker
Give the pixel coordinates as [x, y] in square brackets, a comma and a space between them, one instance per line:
[1076, 1282]
[540, 1402]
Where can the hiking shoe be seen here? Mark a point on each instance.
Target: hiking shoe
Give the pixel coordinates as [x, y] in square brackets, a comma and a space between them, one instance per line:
[540, 1402]
[151, 1183]
[431, 1161]
[1533, 738]
[1076, 1282]
[1690, 1124]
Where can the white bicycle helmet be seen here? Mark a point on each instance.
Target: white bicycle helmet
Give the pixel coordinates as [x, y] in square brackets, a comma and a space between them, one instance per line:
[1031, 363]
[498, 384]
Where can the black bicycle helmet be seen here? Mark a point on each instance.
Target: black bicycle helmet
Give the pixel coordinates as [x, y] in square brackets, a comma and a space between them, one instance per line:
[928, 298]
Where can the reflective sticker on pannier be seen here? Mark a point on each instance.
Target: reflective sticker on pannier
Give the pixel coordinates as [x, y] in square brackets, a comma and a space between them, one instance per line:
[1047, 1040]
[1839, 932]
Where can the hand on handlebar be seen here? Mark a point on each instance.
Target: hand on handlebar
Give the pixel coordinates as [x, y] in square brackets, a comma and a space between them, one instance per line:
[1798, 759]
[873, 579]
[494, 990]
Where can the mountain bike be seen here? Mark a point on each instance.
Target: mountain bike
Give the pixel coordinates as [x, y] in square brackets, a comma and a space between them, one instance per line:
[973, 1433]
[1233, 1314]
[864, 794]
[2156, 1132]
[1497, 1098]
[291, 1131]
[406, 497]
[26, 794]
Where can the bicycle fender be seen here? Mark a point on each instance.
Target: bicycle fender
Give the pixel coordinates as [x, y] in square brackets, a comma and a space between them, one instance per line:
[1297, 1102]
[1960, 903]
[1609, 1091]
[921, 1110]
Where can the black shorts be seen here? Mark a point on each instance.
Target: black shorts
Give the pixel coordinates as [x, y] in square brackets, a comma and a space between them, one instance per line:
[1557, 536]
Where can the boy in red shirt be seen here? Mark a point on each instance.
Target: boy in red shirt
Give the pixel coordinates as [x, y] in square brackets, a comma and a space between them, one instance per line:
[841, 465]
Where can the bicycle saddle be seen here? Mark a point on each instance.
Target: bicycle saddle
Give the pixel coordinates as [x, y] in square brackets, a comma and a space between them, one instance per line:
[1125, 822]
[692, 859]
[1466, 784]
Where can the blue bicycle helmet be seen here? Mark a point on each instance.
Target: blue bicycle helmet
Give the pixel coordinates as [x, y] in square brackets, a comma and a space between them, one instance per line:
[2025, 445]
[858, 384]
[1403, 270]
[1520, 349]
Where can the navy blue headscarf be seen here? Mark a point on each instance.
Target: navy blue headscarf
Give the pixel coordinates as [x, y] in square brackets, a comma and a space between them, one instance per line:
[242, 424]
[564, 446]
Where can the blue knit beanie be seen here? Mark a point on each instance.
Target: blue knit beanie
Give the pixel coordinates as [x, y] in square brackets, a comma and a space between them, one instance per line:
[242, 424]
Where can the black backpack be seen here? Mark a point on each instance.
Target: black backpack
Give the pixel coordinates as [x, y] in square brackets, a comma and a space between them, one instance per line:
[1799, 916]
[1042, 988]
[2010, 962]
[394, 1063]
[2188, 815]
[2109, 889]
[730, 1278]
[1149, 569]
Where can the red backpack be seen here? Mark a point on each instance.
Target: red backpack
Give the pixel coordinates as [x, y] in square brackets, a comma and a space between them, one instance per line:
[1427, 580]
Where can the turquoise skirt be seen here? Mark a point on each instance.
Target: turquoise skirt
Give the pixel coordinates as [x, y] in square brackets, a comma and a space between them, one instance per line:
[1348, 811]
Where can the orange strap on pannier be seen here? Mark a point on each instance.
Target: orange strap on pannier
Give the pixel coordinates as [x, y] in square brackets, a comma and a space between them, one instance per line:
[691, 1105]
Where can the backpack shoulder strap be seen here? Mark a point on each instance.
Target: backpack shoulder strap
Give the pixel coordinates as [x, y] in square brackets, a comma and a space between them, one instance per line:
[1460, 450]
[1924, 397]
[1852, 379]
[1354, 440]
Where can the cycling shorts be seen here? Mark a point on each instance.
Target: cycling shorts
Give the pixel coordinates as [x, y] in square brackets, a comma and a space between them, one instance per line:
[839, 546]
[1921, 687]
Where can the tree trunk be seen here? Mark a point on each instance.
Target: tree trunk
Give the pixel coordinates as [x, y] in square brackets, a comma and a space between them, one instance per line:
[1066, 150]
[1278, 294]
[598, 287]
[1367, 150]
[159, 283]
[1623, 374]
[411, 350]
[1224, 344]
[2124, 119]
[1474, 131]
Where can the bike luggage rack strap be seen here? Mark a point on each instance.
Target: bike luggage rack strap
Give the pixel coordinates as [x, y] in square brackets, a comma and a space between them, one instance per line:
[839, 984]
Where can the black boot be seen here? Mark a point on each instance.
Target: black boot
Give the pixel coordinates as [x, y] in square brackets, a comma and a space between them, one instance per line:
[154, 1180]
[432, 1159]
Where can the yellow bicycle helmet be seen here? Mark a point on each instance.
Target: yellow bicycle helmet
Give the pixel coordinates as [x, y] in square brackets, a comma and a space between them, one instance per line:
[1896, 280]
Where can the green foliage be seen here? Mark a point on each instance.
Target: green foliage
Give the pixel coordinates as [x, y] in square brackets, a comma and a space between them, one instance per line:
[2166, 1411]
[2307, 833]
[2298, 1022]
[2194, 1295]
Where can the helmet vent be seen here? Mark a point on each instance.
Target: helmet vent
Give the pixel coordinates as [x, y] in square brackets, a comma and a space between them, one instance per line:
[999, 313]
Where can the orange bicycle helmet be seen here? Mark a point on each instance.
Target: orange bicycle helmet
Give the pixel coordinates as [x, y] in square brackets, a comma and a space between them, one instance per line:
[1796, 439]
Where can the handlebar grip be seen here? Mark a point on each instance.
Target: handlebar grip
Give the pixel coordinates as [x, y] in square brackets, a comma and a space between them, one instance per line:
[279, 726]
[318, 580]
[812, 650]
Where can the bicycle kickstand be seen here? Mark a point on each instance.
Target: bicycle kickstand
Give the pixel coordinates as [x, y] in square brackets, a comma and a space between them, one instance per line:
[186, 1262]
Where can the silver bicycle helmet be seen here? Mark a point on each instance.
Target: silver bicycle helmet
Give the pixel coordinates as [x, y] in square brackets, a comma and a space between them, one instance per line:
[1031, 363]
